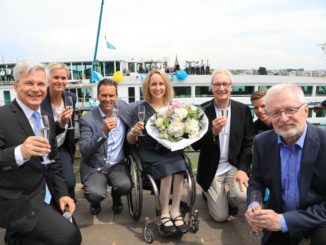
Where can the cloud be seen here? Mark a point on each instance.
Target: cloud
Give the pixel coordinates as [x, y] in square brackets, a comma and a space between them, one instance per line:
[232, 34]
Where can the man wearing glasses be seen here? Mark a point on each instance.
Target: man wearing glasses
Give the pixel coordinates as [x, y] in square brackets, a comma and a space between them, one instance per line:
[225, 150]
[290, 162]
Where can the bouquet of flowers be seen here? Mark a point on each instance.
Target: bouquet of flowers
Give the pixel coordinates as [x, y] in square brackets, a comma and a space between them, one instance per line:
[178, 125]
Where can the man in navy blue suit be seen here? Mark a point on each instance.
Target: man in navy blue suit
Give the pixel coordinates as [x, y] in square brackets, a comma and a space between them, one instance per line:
[290, 162]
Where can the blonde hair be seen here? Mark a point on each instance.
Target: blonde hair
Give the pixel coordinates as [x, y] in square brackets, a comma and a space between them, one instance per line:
[169, 93]
[57, 65]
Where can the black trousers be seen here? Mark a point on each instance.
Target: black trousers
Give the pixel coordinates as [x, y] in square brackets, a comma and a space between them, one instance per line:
[51, 229]
[317, 237]
[95, 186]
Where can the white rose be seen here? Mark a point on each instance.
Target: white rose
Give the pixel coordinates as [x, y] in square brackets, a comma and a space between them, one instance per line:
[159, 122]
[192, 128]
[176, 129]
[180, 113]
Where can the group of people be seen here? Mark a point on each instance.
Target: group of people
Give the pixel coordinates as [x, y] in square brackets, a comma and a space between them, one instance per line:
[280, 152]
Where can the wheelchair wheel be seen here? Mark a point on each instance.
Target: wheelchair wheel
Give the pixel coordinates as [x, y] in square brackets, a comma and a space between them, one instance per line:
[135, 197]
[148, 234]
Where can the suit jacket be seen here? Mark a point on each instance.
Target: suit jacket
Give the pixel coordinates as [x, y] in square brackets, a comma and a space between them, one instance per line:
[266, 172]
[69, 143]
[93, 141]
[240, 143]
[22, 188]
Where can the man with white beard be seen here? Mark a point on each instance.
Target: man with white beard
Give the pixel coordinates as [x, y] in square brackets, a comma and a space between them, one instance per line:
[290, 162]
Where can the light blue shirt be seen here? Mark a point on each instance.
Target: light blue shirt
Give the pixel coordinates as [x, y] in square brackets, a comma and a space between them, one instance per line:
[290, 175]
[115, 139]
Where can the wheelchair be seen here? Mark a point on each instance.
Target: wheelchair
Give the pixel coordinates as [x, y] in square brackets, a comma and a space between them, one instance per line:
[143, 181]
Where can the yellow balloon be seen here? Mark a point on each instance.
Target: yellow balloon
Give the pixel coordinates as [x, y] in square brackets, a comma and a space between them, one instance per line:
[117, 77]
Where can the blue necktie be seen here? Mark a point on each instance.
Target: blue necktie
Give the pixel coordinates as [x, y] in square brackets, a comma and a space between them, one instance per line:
[37, 125]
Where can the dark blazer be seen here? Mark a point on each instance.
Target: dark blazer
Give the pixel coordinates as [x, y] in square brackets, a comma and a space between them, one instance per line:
[266, 172]
[240, 143]
[93, 142]
[22, 188]
[69, 143]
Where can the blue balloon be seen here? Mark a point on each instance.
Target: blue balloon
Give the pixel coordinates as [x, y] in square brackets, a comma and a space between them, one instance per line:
[181, 75]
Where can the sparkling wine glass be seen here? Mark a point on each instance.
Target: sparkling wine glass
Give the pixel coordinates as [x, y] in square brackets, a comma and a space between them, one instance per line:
[44, 132]
[115, 114]
[69, 104]
[224, 113]
[141, 116]
[257, 199]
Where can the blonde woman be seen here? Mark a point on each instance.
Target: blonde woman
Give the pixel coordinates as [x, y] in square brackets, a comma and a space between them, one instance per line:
[165, 166]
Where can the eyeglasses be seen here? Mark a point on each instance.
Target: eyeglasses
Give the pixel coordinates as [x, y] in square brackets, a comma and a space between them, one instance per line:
[219, 85]
[287, 111]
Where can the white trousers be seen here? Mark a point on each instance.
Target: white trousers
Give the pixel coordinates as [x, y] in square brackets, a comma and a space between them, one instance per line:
[223, 192]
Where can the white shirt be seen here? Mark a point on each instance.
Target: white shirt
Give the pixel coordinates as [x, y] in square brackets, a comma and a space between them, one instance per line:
[224, 136]
[115, 139]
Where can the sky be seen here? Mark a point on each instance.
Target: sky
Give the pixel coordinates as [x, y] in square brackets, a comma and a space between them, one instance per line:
[233, 34]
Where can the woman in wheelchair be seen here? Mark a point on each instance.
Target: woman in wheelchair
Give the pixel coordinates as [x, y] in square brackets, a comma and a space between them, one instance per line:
[161, 163]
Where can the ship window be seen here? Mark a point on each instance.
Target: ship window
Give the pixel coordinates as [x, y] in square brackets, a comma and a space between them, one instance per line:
[131, 94]
[243, 90]
[6, 96]
[109, 68]
[141, 94]
[307, 90]
[321, 90]
[77, 70]
[261, 87]
[203, 91]
[182, 92]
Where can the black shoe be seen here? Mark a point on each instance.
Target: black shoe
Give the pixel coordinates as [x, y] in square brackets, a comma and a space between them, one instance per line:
[204, 196]
[182, 229]
[11, 238]
[167, 230]
[95, 208]
[117, 205]
[233, 210]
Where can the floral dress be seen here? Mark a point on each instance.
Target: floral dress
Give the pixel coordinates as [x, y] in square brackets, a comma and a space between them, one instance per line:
[157, 160]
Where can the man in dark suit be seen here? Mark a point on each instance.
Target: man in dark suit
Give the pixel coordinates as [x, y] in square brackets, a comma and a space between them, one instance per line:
[290, 162]
[103, 147]
[225, 150]
[33, 195]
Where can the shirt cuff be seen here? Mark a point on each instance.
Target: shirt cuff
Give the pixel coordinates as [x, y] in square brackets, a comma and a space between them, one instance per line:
[284, 226]
[19, 156]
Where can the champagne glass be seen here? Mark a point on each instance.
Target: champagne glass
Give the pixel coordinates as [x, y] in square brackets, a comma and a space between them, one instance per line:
[44, 132]
[256, 199]
[224, 113]
[115, 113]
[141, 116]
[69, 104]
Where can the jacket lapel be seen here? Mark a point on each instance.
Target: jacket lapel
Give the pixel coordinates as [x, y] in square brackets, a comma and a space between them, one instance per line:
[21, 118]
[98, 120]
[275, 171]
[309, 154]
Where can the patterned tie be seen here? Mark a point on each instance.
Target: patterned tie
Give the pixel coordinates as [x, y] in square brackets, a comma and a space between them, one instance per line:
[37, 125]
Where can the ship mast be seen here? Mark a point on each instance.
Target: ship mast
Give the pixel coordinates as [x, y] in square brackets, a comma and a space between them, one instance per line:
[96, 43]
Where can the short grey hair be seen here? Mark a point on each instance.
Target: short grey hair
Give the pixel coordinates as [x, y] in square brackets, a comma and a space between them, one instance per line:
[224, 72]
[284, 88]
[27, 67]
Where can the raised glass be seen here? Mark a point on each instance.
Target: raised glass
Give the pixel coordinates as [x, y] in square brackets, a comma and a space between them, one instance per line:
[257, 199]
[141, 116]
[69, 104]
[44, 132]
